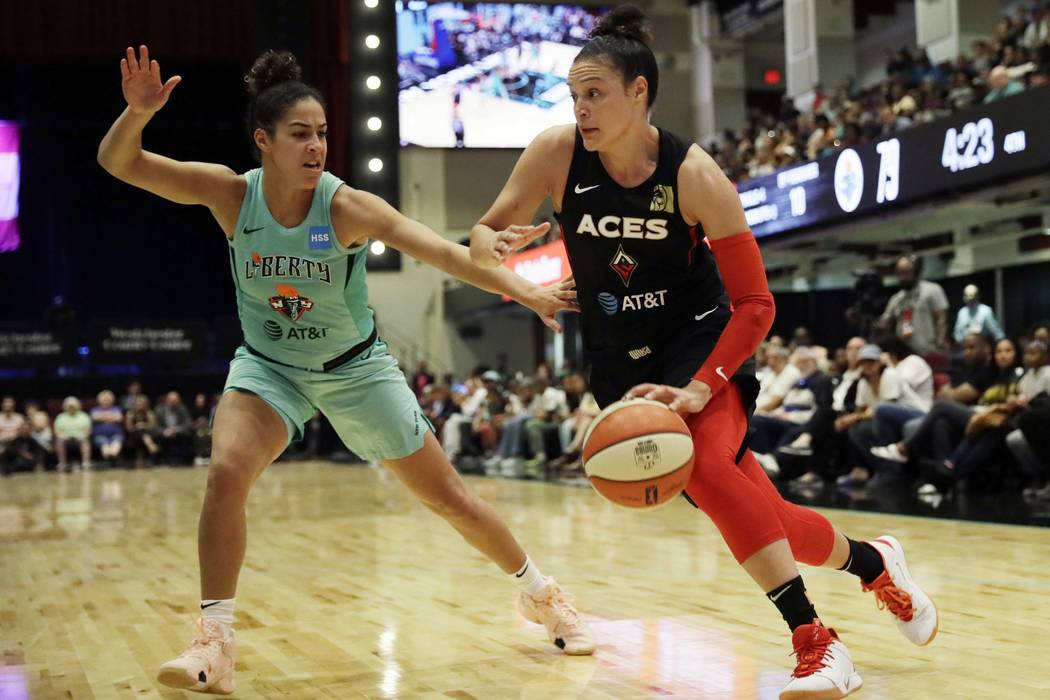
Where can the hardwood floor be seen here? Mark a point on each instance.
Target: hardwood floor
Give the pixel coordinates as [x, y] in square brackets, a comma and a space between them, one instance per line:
[353, 590]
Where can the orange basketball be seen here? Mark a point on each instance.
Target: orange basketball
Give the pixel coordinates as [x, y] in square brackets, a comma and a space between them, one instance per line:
[638, 453]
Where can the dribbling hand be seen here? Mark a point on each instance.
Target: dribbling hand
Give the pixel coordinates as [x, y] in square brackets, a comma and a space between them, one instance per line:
[141, 82]
[692, 399]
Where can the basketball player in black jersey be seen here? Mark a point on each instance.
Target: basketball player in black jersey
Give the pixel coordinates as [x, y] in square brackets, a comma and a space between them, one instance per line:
[673, 317]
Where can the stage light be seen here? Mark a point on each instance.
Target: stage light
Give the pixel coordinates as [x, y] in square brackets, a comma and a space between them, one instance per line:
[374, 123]
[371, 4]
[373, 82]
[377, 247]
[375, 165]
[372, 41]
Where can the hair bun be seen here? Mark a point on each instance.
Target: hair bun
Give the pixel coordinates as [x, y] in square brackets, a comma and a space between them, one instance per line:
[625, 21]
[272, 68]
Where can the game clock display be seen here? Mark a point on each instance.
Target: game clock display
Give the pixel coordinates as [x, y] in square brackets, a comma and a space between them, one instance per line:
[971, 149]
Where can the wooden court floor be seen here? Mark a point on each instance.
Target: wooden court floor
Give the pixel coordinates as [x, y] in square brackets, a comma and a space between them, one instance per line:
[352, 590]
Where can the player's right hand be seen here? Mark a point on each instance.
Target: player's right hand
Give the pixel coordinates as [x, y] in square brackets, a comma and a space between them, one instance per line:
[141, 82]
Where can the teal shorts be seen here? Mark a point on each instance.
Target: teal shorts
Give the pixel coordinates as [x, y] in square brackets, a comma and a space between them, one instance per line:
[367, 400]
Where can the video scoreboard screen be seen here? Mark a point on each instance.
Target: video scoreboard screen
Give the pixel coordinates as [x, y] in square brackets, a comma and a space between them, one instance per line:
[971, 149]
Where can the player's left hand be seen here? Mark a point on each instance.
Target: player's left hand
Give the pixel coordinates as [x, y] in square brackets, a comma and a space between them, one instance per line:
[692, 399]
[548, 301]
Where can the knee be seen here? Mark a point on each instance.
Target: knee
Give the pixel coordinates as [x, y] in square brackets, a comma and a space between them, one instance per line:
[230, 477]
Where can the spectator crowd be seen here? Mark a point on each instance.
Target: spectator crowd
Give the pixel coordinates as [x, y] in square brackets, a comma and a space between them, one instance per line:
[919, 402]
[133, 432]
[915, 91]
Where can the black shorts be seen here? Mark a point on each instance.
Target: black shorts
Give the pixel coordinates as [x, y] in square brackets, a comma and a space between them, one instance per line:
[672, 361]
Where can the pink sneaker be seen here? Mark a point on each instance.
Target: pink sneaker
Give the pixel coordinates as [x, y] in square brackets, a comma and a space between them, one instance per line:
[207, 666]
[553, 609]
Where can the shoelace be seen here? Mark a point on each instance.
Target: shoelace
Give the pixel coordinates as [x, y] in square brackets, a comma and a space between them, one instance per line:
[561, 603]
[896, 599]
[201, 646]
[811, 656]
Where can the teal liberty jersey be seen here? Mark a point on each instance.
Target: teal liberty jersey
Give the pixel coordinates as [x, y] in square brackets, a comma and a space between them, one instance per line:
[301, 295]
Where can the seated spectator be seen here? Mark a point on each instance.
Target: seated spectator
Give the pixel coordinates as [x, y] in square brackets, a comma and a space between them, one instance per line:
[879, 385]
[817, 449]
[458, 437]
[1001, 84]
[978, 372]
[174, 429]
[542, 427]
[200, 415]
[513, 446]
[22, 453]
[130, 399]
[40, 431]
[107, 431]
[779, 377]
[975, 317]
[943, 427]
[806, 408]
[915, 371]
[495, 406]
[11, 424]
[996, 417]
[438, 405]
[894, 420]
[10, 420]
[140, 424]
[72, 430]
[583, 409]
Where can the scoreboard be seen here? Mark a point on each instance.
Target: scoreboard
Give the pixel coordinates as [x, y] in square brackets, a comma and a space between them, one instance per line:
[995, 142]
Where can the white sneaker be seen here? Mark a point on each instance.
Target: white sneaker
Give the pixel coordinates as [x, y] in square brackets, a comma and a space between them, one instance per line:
[825, 670]
[552, 608]
[769, 464]
[207, 666]
[890, 453]
[896, 591]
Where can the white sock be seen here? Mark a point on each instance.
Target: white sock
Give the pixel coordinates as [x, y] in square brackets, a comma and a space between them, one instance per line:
[528, 578]
[220, 611]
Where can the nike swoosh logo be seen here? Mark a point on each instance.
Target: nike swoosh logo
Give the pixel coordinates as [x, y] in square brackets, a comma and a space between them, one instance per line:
[581, 190]
[247, 230]
[720, 371]
[522, 572]
[704, 315]
[782, 591]
[210, 604]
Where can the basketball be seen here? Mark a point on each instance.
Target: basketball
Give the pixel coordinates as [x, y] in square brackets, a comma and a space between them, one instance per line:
[638, 453]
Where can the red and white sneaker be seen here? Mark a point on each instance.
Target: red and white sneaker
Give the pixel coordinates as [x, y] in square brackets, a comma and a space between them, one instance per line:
[553, 609]
[896, 591]
[207, 666]
[825, 670]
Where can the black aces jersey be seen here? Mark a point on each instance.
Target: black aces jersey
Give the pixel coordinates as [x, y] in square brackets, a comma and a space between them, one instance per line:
[652, 301]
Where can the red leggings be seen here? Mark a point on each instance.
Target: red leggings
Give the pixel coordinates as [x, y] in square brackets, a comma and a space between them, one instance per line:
[739, 498]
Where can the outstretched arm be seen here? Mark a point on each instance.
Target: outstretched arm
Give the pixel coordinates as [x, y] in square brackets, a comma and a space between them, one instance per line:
[359, 215]
[121, 153]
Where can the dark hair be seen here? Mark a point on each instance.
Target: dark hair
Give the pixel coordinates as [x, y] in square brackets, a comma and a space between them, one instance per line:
[894, 345]
[274, 84]
[622, 39]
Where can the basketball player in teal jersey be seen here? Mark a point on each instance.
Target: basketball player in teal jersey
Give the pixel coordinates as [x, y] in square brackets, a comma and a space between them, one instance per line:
[297, 237]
